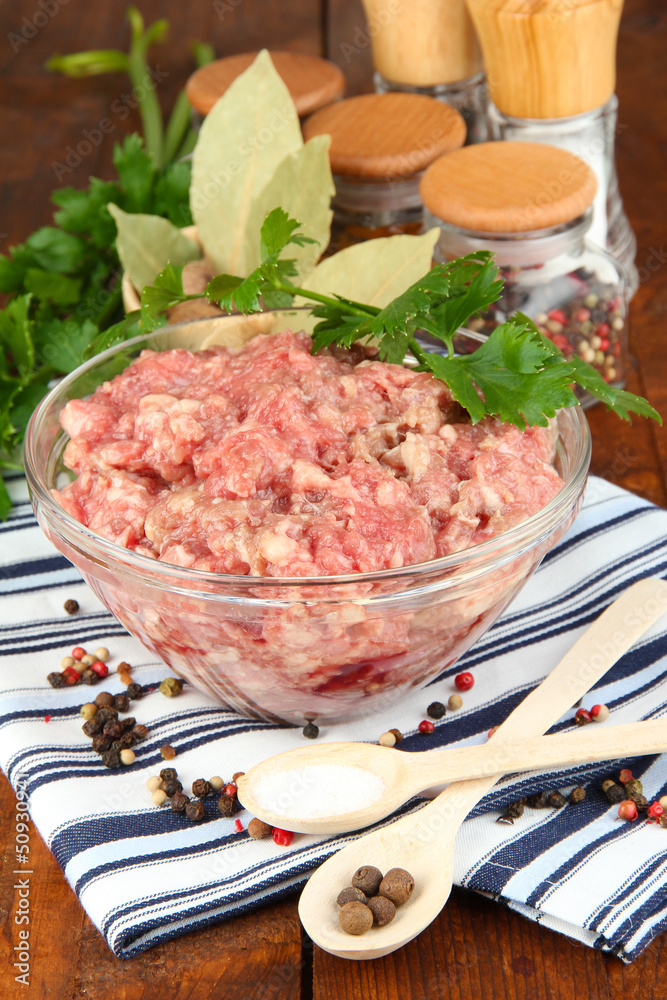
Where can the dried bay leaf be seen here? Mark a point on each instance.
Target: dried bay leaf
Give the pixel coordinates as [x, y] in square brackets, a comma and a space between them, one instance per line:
[146, 243]
[303, 186]
[244, 137]
[375, 271]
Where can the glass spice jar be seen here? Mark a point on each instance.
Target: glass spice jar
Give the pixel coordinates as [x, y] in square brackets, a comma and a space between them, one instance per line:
[380, 146]
[530, 205]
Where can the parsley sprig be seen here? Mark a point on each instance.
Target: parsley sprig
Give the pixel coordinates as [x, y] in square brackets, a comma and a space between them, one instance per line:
[517, 374]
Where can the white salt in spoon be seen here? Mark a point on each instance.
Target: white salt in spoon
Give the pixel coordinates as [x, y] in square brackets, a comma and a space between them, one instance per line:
[423, 843]
[295, 782]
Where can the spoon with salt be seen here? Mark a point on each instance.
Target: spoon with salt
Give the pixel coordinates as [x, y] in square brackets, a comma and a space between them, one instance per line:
[423, 842]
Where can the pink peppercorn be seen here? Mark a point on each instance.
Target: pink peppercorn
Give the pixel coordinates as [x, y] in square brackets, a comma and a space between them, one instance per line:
[78, 653]
[230, 790]
[100, 668]
[603, 330]
[625, 776]
[604, 344]
[558, 315]
[655, 810]
[583, 716]
[282, 837]
[71, 675]
[627, 810]
[582, 315]
[464, 681]
[425, 727]
[239, 825]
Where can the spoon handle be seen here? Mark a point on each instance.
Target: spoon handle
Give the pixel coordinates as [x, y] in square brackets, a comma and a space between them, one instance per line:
[498, 757]
[601, 645]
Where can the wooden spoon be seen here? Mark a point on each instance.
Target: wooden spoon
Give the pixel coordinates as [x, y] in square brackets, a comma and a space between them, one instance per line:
[423, 842]
[405, 774]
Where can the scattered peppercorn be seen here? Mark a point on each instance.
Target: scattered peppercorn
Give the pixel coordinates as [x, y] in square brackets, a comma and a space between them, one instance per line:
[87, 660]
[355, 918]
[102, 653]
[101, 742]
[71, 606]
[99, 668]
[104, 700]
[258, 829]
[171, 786]
[425, 727]
[397, 885]
[89, 677]
[113, 729]
[67, 661]
[78, 652]
[88, 710]
[538, 801]
[125, 741]
[194, 810]
[600, 713]
[311, 731]
[171, 686]
[135, 691]
[349, 895]
[627, 810]
[633, 788]
[613, 792]
[367, 878]
[464, 681]
[582, 717]
[556, 800]
[127, 756]
[107, 712]
[121, 702]
[436, 710]
[492, 731]
[662, 820]
[625, 776]
[236, 775]
[201, 788]
[505, 818]
[228, 805]
[641, 802]
[81, 667]
[168, 752]
[159, 797]
[655, 810]
[179, 801]
[56, 679]
[122, 668]
[282, 837]
[398, 734]
[111, 758]
[153, 783]
[93, 726]
[70, 676]
[140, 732]
[383, 910]
[577, 794]
[216, 783]
[663, 802]
[515, 809]
[239, 825]
[168, 774]
[230, 789]
[454, 702]
[387, 740]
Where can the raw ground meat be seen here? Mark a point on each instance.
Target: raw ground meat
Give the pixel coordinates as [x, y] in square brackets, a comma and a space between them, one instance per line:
[269, 462]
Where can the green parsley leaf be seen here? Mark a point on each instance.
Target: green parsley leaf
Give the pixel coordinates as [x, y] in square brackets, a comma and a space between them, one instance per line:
[57, 288]
[56, 250]
[165, 292]
[171, 197]
[278, 231]
[135, 170]
[16, 335]
[5, 502]
[64, 343]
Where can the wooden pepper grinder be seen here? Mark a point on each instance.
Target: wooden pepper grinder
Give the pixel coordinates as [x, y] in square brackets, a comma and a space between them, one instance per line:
[429, 47]
[551, 74]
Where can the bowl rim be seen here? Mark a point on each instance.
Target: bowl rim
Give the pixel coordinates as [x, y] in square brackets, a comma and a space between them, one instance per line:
[481, 554]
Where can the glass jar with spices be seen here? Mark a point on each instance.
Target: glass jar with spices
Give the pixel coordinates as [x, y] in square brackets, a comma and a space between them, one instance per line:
[530, 205]
[380, 146]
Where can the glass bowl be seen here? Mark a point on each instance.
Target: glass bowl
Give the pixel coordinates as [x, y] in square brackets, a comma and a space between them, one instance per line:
[290, 650]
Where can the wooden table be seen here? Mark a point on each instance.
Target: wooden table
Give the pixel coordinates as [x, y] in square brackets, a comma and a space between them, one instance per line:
[475, 949]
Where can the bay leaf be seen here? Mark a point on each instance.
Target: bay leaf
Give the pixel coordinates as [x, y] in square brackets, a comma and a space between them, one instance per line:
[146, 243]
[247, 133]
[375, 271]
[301, 184]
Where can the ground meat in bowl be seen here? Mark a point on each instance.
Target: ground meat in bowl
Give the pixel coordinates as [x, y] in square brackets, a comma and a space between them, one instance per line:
[271, 462]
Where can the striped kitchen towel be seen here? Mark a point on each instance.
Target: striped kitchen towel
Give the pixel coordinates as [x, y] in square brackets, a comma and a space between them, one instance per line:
[145, 874]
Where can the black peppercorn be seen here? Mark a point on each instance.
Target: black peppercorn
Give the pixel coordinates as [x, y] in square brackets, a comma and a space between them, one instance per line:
[505, 818]
[556, 800]
[126, 741]
[56, 679]
[89, 677]
[641, 802]
[515, 809]
[179, 801]
[172, 786]
[71, 606]
[436, 710]
[168, 774]
[128, 723]
[633, 788]
[662, 820]
[201, 788]
[367, 878]
[577, 794]
[195, 810]
[113, 729]
[101, 743]
[107, 713]
[121, 702]
[228, 805]
[613, 792]
[134, 691]
[537, 801]
[311, 731]
[111, 758]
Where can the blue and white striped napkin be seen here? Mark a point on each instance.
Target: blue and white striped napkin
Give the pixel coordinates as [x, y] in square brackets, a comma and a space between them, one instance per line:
[145, 874]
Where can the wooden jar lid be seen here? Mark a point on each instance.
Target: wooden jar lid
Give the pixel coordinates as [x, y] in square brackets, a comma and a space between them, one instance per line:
[312, 82]
[508, 187]
[387, 135]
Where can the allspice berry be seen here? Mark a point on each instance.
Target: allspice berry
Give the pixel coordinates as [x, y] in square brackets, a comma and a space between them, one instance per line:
[383, 910]
[578, 794]
[397, 734]
[355, 918]
[350, 895]
[258, 829]
[367, 879]
[397, 885]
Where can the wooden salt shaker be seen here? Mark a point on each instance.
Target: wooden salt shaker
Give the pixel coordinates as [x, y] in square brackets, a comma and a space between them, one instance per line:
[429, 47]
[551, 73]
